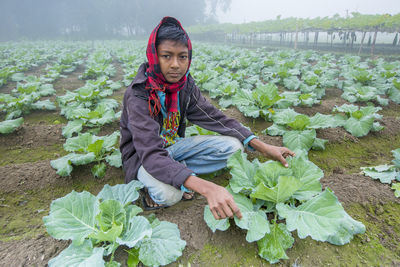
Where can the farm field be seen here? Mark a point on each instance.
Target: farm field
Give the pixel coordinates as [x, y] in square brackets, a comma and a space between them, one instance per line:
[358, 125]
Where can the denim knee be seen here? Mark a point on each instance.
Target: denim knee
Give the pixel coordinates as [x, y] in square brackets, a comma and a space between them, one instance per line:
[234, 144]
[164, 195]
[161, 193]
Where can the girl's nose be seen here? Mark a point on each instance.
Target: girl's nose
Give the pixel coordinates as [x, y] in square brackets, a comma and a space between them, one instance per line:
[174, 63]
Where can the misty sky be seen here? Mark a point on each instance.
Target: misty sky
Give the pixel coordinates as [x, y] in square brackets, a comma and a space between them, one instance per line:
[258, 10]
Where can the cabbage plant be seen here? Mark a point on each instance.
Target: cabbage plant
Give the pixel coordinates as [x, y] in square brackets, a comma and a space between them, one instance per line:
[16, 106]
[9, 126]
[258, 102]
[359, 121]
[394, 91]
[102, 114]
[299, 130]
[98, 225]
[98, 64]
[360, 93]
[386, 173]
[275, 201]
[87, 148]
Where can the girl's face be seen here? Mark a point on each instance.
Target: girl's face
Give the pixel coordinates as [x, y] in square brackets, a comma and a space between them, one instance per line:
[174, 60]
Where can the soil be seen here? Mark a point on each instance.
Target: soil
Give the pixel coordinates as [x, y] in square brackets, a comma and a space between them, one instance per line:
[28, 184]
[71, 82]
[33, 135]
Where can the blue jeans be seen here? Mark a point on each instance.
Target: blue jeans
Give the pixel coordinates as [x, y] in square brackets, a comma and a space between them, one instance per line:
[202, 154]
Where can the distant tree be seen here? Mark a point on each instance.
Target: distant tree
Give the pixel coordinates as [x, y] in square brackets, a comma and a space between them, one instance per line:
[214, 5]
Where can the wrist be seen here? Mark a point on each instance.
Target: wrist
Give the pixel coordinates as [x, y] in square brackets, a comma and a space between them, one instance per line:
[258, 145]
[198, 185]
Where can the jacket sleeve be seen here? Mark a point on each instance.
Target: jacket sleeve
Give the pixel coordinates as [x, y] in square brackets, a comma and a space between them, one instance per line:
[148, 144]
[204, 114]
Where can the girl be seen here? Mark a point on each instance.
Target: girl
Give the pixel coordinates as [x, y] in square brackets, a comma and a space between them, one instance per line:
[154, 149]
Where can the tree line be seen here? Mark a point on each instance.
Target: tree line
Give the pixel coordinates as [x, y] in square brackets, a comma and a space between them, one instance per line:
[98, 19]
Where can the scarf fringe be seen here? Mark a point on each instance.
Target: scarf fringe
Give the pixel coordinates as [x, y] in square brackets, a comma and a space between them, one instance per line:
[156, 108]
[172, 120]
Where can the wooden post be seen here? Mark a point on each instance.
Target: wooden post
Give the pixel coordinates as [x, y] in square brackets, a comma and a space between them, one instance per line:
[291, 38]
[297, 36]
[362, 42]
[373, 42]
[316, 39]
[399, 40]
[353, 36]
[395, 39]
[344, 38]
[307, 35]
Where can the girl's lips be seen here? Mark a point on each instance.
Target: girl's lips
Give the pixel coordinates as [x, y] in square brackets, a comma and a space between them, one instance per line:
[174, 75]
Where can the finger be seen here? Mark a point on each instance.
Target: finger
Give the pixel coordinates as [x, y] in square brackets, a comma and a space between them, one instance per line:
[286, 151]
[230, 208]
[286, 154]
[215, 213]
[283, 161]
[238, 213]
[235, 209]
[228, 212]
[221, 213]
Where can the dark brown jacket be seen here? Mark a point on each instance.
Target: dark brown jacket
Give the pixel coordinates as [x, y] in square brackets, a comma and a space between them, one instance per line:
[140, 133]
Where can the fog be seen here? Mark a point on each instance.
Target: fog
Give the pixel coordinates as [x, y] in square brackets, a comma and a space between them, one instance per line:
[98, 19]
[258, 10]
[108, 19]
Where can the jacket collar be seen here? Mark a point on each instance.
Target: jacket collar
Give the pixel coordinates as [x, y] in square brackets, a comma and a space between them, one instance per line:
[141, 75]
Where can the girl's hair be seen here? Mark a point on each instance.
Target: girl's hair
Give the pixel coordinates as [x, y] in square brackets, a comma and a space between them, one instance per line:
[172, 32]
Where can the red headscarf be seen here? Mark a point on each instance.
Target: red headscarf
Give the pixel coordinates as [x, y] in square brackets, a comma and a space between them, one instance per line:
[156, 80]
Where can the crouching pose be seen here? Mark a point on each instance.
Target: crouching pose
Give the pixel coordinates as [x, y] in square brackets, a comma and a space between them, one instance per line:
[156, 106]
